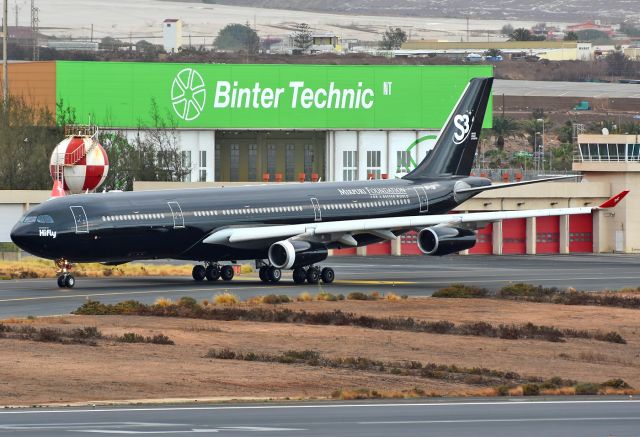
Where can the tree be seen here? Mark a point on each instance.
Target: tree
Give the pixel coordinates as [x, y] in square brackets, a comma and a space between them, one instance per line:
[618, 64]
[507, 29]
[571, 36]
[393, 39]
[522, 34]
[237, 37]
[493, 53]
[108, 43]
[503, 127]
[302, 37]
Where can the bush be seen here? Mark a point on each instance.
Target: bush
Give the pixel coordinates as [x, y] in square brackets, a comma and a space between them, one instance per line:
[324, 296]
[226, 299]
[163, 302]
[356, 295]
[587, 388]
[93, 308]
[611, 337]
[222, 354]
[461, 291]
[393, 297]
[273, 299]
[615, 383]
[88, 332]
[187, 301]
[131, 337]
[530, 390]
[521, 290]
[160, 339]
[49, 335]
[128, 307]
[304, 297]
[502, 390]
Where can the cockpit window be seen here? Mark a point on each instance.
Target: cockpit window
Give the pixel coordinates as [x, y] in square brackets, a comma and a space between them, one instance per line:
[46, 219]
[29, 219]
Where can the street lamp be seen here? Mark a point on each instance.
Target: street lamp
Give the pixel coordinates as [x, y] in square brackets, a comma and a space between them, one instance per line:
[544, 142]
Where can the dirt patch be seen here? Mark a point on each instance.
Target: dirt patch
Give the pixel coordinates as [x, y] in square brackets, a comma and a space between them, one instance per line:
[34, 373]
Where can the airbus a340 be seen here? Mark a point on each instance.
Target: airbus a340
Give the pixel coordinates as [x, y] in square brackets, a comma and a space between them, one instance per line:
[285, 226]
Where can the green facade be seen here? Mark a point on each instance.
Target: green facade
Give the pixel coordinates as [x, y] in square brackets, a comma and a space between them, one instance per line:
[246, 96]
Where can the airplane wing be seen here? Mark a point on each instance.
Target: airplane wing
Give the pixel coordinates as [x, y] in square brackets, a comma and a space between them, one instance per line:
[383, 227]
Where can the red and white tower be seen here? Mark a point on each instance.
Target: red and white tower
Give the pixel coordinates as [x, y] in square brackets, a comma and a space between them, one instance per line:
[78, 163]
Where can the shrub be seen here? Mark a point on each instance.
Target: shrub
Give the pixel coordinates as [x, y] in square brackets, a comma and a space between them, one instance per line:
[187, 301]
[611, 337]
[587, 388]
[131, 337]
[160, 339]
[226, 299]
[615, 383]
[392, 297]
[88, 332]
[273, 299]
[222, 354]
[128, 307]
[530, 390]
[324, 296]
[356, 295]
[520, 290]
[461, 291]
[163, 302]
[49, 335]
[93, 308]
[304, 297]
[502, 390]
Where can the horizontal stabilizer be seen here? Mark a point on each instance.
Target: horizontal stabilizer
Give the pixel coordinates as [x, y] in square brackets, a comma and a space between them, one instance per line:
[512, 184]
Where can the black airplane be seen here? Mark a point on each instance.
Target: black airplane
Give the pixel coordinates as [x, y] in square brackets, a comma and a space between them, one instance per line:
[285, 226]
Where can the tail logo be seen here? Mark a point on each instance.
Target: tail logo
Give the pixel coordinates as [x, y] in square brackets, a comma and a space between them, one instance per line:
[463, 126]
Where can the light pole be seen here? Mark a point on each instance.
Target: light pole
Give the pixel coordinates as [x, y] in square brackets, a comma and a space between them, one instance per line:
[5, 66]
[544, 142]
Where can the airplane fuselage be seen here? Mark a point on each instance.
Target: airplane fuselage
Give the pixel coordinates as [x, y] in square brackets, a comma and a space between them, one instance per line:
[124, 226]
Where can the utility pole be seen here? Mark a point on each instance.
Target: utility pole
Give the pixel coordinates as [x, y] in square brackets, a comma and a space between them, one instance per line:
[35, 29]
[91, 32]
[16, 9]
[467, 28]
[5, 64]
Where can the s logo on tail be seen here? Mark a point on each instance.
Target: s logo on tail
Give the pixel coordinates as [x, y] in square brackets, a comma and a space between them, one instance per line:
[463, 126]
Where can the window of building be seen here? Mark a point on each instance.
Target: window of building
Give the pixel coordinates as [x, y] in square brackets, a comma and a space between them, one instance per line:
[203, 166]
[186, 165]
[290, 162]
[234, 163]
[272, 158]
[374, 159]
[218, 162]
[402, 161]
[252, 173]
[349, 165]
[308, 160]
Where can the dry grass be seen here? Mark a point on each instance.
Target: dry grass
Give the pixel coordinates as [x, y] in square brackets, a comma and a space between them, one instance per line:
[305, 297]
[226, 299]
[42, 268]
[393, 297]
[163, 302]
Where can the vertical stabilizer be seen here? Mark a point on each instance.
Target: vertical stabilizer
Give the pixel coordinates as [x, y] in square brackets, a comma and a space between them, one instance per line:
[455, 149]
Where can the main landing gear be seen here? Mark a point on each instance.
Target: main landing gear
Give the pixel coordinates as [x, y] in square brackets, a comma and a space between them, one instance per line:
[65, 278]
[212, 272]
[313, 275]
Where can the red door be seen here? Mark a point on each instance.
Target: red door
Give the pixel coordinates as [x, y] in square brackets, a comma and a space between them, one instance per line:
[548, 234]
[382, 248]
[344, 252]
[484, 241]
[581, 233]
[409, 245]
[514, 233]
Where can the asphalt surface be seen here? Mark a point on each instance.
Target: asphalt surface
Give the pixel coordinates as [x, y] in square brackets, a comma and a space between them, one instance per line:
[565, 89]
[564, 417]
[413, 276]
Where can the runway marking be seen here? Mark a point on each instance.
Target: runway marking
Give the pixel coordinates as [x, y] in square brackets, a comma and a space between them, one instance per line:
[363, 282]
[527, 403]
[194, 430]
[542, 419]
[196, 290]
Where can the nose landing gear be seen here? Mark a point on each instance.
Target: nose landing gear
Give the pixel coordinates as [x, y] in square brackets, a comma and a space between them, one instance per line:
[65, 278]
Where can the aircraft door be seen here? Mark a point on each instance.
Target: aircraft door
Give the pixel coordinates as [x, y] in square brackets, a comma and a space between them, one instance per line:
[421, 192]
[80, 218]
[178, 217]
[317, 213]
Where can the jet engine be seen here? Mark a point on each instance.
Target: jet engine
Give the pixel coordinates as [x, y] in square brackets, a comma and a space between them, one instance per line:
[440, 241]
[288, 254]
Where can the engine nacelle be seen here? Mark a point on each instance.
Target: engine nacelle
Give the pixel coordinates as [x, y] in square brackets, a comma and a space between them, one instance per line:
[287, 254]
[443, 241]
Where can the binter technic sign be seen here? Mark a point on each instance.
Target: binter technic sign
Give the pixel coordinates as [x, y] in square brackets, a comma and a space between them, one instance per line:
[264, 96]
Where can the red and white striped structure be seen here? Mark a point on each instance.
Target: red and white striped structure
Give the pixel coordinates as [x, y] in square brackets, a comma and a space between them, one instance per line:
[78, 163]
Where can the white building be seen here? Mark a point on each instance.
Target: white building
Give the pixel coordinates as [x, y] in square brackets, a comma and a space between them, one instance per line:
[172, 35]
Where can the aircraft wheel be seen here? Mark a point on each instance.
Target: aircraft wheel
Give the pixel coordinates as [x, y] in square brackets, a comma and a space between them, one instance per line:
[263, 273]
[198, 272]
[61, 279]
[69, 281]
[313, 275]
[299, 275]
[274, 274]
[212, 272]
[328, 275]
[226, 273]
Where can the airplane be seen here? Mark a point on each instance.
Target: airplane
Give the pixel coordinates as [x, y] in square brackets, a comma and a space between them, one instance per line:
[284, 226]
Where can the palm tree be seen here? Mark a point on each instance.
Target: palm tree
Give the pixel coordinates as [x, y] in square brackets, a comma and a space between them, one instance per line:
[520, 34]
[503, 127]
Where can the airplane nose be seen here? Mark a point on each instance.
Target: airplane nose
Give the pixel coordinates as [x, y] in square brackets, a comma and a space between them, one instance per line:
[18, 236]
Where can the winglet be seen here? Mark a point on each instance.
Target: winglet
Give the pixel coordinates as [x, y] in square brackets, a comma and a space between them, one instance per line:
[613, 201]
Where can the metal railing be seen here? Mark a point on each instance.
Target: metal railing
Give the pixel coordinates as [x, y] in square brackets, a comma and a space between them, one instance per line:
[601, 152]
